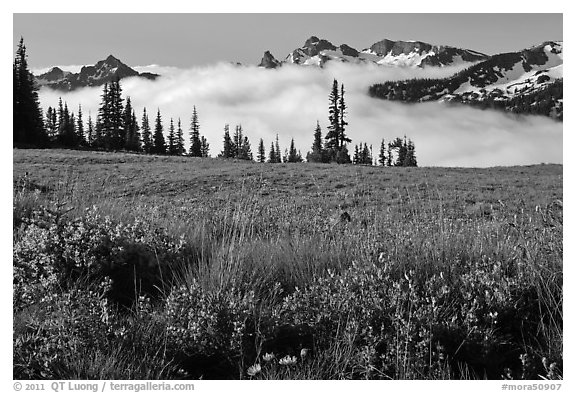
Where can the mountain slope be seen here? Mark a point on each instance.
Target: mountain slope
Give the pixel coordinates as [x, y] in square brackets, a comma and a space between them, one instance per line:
[102, 72]
[512, 81]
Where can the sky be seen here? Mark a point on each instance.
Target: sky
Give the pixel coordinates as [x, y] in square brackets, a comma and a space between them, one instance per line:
[185, 40]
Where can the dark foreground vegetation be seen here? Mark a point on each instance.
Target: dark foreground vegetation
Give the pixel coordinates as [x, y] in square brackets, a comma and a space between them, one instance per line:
[153, 267]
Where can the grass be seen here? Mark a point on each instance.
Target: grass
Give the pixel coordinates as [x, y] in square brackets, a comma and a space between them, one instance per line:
[440, 273]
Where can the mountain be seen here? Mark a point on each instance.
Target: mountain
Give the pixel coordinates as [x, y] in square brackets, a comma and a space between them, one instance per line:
[528, 81]
[102, 72]
[318, 51]
[269, 61]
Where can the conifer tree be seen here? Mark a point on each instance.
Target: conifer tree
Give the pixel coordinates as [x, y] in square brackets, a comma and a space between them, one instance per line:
[103, 121]
[205, 147]
[237, 142]
[356, 157]
[90, 132]
[159, 143]
[245, 152]
[98, 142]
[382, 155]
[227, 150]
[342, 113]
[110, 130]
[72, 133]
[180, 149]
[410, 158]
[277, 151]
[402, 150]
[333, 135]
[336, 138]
[28, 123]
[60, 112]
[293, 155]
[317, 154]
[66, 128]
[261, 151]
[195, 141]
[130, 126]
[134, 142]
[51, 124]
[80, 138]
[147, 141]
[171, 138]
[117, 138]
[272, 154]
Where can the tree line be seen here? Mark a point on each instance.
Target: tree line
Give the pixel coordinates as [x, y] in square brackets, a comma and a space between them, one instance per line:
[116, 128]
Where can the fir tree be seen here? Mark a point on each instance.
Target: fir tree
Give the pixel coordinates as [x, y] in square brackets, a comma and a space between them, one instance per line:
[90, 133]
[272, 154]
[293, 155]
[356, 157]
[72, 133]
[117, 137]
[336, 138]
[147, 141]
[130, 126]
[28, 123]
[205, 147]
[277, 151]
[245, 149]
[227, 150]
[402, 150]
[261, 151]
[342, 156]
[171, 138]
[333, 135]
[66, 128]
[410, 158]
[180, 149]
[159, 143]
[317, 154]
[342, 113]
[195, 142]
[134, 142]
[237, 142]
[382, 155]
[80, 138]
[110, 122]
[51, 124]
[103, 121]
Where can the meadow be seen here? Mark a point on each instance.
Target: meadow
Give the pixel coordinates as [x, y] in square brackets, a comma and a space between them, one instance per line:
[134, 266]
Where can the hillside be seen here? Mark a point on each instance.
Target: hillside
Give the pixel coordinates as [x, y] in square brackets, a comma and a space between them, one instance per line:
[189, 268]
[173, 180]
[528, 81]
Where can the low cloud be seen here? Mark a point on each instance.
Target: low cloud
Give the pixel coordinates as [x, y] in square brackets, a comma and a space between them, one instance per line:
[288, 102]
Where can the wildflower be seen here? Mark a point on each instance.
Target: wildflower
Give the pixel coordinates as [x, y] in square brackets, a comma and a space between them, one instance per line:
[304, 353]
[493, 316]
[288, 360]
[255, 369]
[268, 357]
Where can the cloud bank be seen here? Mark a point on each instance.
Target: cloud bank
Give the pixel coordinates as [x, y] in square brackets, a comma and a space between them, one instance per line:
[288, 102]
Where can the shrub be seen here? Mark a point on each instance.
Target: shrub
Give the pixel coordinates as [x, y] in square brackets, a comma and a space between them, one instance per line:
[209, 332]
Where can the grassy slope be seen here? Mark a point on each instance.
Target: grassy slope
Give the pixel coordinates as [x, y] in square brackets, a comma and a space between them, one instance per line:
[116, 179]
[261, 224]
